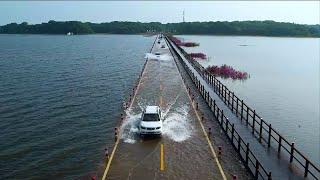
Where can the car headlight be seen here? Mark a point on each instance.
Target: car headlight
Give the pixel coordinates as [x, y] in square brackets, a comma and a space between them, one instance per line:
[158, 127]
[142, 127]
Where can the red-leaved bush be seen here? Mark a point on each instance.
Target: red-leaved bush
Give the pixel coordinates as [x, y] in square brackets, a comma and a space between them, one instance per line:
[227, 72]
[198, 55]
[186, 44]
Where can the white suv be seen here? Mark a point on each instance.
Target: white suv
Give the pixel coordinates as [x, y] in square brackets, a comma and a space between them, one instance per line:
[151, 123]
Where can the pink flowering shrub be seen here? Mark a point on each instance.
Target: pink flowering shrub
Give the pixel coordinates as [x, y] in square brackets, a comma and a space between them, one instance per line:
[186, 44]
[227, 72]
[198, 55]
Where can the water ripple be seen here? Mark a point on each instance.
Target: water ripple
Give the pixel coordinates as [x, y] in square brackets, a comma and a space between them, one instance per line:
[60, 99]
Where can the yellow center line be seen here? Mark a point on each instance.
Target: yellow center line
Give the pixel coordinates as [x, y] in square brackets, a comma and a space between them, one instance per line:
[210, 145]
[161, 158]
[161, 145]
[161, 101]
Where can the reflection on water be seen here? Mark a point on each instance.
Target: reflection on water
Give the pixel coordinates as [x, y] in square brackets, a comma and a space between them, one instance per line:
[284, 81]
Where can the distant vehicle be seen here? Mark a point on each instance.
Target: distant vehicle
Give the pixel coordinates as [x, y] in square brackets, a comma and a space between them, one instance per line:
[151, 123]
[163, 46]
[157, 54]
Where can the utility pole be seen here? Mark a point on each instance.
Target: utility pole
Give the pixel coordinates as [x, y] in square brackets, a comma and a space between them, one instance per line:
[183, 16]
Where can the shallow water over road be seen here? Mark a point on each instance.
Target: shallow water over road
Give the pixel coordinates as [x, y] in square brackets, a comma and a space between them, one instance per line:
[185, 147]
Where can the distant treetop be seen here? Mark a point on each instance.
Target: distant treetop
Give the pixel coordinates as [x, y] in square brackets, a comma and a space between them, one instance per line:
[255, 28]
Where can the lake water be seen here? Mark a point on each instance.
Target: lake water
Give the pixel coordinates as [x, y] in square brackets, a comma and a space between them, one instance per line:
[284, 81]
[60, 98]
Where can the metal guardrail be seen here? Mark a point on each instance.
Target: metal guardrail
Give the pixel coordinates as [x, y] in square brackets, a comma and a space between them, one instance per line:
[264, 131]
[243, 148]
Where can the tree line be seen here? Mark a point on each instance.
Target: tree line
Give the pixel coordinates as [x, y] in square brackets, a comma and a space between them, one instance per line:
[256, 28]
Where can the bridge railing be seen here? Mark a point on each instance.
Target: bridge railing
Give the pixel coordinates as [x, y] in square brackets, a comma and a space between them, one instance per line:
[243, 148]
[260, 128]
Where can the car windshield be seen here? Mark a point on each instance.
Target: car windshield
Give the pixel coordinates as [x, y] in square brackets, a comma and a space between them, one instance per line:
[151, 117]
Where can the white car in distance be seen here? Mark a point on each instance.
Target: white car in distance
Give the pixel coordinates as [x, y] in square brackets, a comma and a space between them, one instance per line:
[151, 123]
[157, 54]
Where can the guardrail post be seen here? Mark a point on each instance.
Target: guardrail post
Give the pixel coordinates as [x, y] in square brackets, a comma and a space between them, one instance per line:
[260, 132]
[247, 120]
[203, 92]
[306, 169]
[239, 144]
[269, 136]
[247, 154]
[279, 147]
[222, 117]
[212, 79]
[237, 107]
[232, 133]
[225, 94]
[222, 92]
[270, 176]
[257, 170]
[291, 152]
[241, 110]
[232, 101]
[228, 98]
[253, 121]
[227, 125]
[115, 134]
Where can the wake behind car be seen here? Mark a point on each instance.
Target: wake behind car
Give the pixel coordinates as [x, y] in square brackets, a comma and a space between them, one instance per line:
[151, 123]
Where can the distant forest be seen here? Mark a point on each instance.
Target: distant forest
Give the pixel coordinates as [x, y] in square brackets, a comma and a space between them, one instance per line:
[255, 28]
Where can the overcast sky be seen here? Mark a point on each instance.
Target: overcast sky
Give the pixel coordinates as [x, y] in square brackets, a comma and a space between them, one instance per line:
[146, 11]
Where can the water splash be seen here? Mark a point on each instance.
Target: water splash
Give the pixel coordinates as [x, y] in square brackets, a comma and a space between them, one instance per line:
[177, 126]
[129, 128]
[162, 57]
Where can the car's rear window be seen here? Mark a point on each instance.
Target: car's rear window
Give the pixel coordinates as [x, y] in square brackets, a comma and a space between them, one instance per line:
[151, 117]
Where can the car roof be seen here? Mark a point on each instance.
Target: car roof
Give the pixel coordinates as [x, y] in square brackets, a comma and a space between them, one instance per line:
[151, 110]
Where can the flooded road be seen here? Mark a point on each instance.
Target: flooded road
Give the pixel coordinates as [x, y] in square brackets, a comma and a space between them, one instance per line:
[183, 151]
